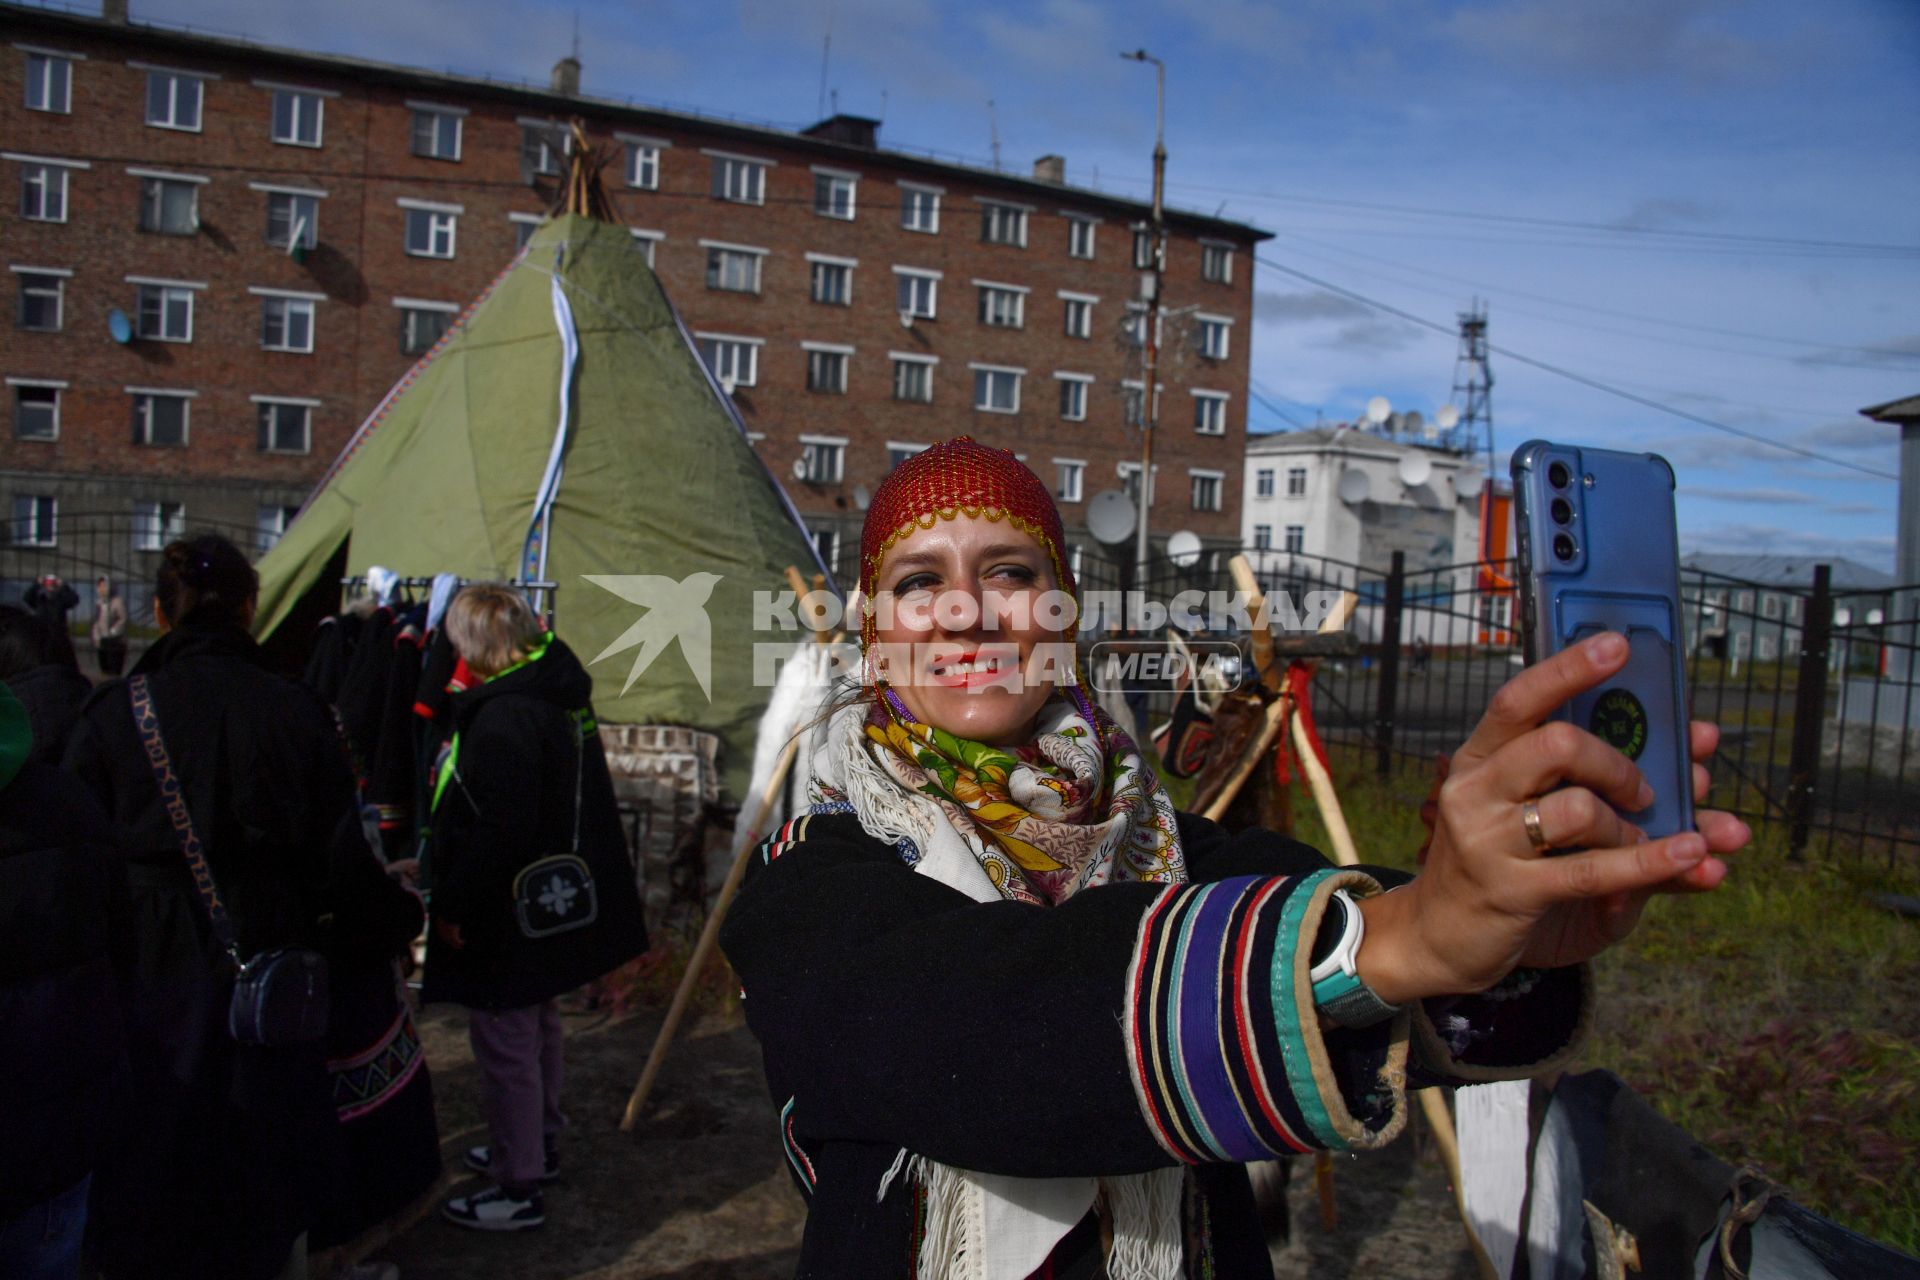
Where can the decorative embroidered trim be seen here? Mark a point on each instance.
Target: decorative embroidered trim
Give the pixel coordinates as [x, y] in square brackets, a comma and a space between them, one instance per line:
[784, 839]
[802, 1166]
[1219, 1015]
[369, 1080]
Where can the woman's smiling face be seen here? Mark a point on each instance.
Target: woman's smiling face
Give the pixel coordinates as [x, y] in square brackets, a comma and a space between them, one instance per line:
[973, 632]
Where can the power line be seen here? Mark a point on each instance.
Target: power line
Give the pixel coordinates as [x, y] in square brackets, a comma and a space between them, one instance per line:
[1507, 353]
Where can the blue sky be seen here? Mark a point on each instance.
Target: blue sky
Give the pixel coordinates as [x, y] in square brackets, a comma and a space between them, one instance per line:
[1681, 198]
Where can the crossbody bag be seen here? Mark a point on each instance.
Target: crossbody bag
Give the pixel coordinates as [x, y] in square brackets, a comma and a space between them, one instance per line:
[280, 994]
[556, 894]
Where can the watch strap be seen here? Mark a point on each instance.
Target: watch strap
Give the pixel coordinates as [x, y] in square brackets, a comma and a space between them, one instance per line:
[1351, 1002]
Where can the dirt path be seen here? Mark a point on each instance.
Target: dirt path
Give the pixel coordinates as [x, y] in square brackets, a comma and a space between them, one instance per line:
[699, 1190]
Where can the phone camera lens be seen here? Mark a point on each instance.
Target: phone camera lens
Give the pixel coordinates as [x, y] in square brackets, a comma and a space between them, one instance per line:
[1563, 547]
[1562, 511]
[1559, 476]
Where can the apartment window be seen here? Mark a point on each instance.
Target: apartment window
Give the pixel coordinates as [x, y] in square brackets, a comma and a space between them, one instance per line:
[1072, 475]
[49, 83]
[1211, 335]
[165, 313]
[1130, 481]
[436, 132]
[155, 524]
[1002, 306]
[286, 323]
[739, 179]
[1769, 605]
[43, 192]
[36, 410]
[827, 369]
[1206, 486]
[1133, 331]
[648, 242]
[35, 520]
[1003, 224]
[643, 163]
[920, 208]
[825, 458]
[1080, 237]
[1079, 314]
[1143, 244]
[1296, 537]
[293, 220]
[1210, 413]
[918, 292]
[542, 147]
[734, 361]
[898, 453]
[524, 225]
[1263, 483]
[1132, 403]
[913, 379]
[297, 117]
[160, 418]
[169, 206]
[831, 281]
[431, 229]
[173, 100]
[1216, 262]
[1263, 536]
[42, 294]
[1296, 482]
[833, 193]
[422, 326]
[1073, 396]
[286, 426]
[271, 525]
[733, 267]
[996, 390]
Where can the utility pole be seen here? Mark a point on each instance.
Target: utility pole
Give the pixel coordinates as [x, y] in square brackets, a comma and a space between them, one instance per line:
[1150, 285]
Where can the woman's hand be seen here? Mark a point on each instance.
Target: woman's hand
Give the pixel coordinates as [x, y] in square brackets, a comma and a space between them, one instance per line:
[1487, 899]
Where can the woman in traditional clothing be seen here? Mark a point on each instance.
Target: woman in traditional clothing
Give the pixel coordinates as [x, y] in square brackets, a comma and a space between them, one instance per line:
[1021, 1018]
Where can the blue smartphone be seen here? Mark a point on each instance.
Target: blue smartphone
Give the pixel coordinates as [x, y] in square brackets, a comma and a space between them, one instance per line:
[1599, 551]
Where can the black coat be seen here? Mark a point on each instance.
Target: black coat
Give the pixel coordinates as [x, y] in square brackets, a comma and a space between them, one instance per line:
[508, 802]
[221, 1154]
[895, 1012]
[64, 932]
[52, 694]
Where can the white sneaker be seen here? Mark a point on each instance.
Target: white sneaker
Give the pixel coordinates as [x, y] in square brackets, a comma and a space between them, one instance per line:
[480, 1160]
[495, 1210]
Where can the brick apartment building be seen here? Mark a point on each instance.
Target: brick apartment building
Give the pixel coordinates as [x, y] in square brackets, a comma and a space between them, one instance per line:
[284, 232]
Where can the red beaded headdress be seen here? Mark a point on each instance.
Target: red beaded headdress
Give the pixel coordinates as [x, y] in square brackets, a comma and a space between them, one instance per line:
[959, 477]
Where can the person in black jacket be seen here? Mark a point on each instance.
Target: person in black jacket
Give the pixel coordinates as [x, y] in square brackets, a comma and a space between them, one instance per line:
[220, 1156]
[41, 672]
[65, 934]
[522, 782]
[1022, 1018]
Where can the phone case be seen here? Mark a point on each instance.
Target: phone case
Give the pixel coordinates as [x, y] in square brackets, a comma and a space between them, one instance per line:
[1609, 560]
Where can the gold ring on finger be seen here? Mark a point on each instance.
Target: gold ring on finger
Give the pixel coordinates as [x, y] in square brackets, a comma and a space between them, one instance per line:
[1536, 834]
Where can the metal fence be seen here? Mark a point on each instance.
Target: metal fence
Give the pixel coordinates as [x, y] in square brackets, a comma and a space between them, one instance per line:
[1814, 688]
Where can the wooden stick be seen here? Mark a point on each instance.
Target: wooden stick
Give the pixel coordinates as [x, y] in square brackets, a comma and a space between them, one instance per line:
[703, 949]
[1250, 759]
[1324, 797]
[1248, 585]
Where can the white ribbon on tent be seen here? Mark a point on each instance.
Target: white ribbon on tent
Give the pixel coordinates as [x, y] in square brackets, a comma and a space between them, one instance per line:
[533, 555]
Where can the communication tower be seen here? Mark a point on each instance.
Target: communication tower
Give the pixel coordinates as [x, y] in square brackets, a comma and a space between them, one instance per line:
[1473, 380]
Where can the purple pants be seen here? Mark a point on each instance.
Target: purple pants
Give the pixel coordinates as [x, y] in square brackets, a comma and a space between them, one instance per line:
[518, 1052]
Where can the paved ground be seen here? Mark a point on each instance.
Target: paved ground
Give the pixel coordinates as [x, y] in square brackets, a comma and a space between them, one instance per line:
[699, 1190]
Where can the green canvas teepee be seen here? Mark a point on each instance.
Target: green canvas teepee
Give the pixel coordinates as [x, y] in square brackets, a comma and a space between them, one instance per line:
[656, 483]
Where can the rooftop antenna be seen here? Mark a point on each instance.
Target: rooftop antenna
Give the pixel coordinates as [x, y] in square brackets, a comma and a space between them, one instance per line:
[826, 52]
[883, 105]
[576, 33]
[833, 97]
[993, 129]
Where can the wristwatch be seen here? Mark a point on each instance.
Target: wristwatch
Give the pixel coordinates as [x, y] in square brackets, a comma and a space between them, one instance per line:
[1337, 988]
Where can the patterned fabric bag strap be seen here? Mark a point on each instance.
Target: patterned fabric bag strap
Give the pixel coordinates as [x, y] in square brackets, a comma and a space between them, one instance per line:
[583, 724]
[146, 719]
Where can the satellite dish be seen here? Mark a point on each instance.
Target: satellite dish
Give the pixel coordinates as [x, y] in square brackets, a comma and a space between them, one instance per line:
[1414, 422]
[119, 327]
[1448, 417]
[799, 468]
[1467, 482]
[1354, 486]
[1183, 548]
[1111, 517]
[1416, 468]
[1396, 423]
[861, 498]
[1377, 410]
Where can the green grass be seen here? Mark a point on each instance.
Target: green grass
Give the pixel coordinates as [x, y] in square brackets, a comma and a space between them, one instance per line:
[1774, 1019]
